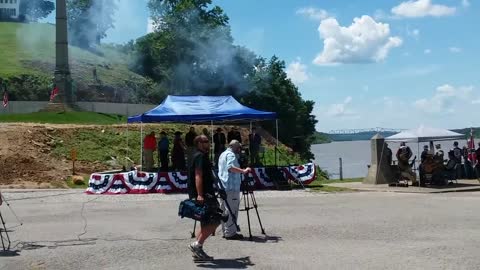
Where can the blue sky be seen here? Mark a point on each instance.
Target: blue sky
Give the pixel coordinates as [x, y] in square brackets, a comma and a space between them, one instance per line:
[389, 63]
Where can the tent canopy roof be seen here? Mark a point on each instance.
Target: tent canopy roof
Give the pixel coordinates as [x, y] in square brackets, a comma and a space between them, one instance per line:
[200, 109]
[425, 134]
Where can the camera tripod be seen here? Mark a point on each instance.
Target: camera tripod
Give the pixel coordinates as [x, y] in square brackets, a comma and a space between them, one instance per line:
[250, 202]
[4, 235]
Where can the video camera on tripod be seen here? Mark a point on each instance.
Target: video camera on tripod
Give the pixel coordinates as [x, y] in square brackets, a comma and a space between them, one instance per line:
[244, 156]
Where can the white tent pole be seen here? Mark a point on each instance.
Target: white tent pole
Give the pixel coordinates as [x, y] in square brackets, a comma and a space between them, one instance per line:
[141, 144]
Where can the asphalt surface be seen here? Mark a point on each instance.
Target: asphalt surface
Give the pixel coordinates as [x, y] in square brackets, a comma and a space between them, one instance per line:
[362, 230]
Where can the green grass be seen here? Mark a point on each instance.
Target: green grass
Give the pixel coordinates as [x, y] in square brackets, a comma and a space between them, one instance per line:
[70, 183]
[321, 184]
[105, 143]
[30, 49]
[65, 118]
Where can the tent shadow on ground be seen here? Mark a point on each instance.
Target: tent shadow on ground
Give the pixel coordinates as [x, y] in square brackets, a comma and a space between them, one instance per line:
[237, 263]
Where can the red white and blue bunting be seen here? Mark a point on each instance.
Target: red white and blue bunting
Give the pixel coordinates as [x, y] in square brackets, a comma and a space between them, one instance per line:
[137, 182]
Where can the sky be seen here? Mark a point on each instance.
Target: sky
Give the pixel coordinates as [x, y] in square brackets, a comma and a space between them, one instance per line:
[365, 64]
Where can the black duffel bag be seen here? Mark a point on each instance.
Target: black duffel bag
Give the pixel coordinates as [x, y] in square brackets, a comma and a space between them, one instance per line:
[192, 209]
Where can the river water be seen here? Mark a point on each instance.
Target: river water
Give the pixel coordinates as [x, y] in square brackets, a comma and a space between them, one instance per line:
[356, 155]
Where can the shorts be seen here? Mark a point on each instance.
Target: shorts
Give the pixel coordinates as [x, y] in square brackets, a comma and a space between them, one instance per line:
[213, 212]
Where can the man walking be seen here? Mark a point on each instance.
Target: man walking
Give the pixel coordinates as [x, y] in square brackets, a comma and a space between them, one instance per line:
[201, 188]
[229, 173]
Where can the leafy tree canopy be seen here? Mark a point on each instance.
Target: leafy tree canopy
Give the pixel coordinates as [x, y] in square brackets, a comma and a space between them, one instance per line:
[192, 51]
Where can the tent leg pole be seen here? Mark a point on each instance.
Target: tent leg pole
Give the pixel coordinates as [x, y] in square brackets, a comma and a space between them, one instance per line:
[211, 144]
[126, 162]
[141, 144]
[276, 145]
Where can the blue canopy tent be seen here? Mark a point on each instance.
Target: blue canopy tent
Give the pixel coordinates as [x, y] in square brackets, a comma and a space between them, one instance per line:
[197, 109]
[201, 109]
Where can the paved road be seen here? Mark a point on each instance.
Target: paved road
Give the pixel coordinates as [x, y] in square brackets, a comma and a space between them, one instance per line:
[363, 230]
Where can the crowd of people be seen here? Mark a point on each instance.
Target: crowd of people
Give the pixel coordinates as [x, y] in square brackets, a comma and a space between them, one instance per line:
[178, 156]
[435, 168]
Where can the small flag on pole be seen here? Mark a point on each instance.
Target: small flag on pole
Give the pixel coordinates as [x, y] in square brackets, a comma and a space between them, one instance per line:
[5, 99]
[54, 93]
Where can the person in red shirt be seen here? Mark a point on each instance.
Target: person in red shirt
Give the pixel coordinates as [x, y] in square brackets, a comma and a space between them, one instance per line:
[149, 146]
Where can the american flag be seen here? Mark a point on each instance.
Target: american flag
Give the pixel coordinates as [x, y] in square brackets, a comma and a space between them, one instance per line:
[54, 93]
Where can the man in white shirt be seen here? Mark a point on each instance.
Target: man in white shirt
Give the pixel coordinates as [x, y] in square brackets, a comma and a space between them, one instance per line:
[229, 173]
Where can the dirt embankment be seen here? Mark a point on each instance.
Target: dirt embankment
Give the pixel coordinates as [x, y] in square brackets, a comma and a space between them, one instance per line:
[26, 159]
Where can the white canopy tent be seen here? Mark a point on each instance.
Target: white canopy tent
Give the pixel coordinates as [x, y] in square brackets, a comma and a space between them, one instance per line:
[425, 134]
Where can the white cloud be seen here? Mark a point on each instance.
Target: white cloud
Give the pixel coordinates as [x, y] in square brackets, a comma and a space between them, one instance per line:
[455, 50]
[297, 72]
[313, 13]
[150, 26]
[445, 99]
[341, 109]
[422, 8]
[427, 51]
[362, 42]
[465, 3]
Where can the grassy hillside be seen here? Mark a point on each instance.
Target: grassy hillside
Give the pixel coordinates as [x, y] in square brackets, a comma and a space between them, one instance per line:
[27, 52]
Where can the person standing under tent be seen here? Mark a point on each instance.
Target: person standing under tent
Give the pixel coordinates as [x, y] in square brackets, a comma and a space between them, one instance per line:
[439, 154]
[254, 141]
[178, 152]
[219, 142]
[388, 153]
[457, 154]
[149, 146]
[163, 148]
[234, 134]
[189, 137]
[403, 155]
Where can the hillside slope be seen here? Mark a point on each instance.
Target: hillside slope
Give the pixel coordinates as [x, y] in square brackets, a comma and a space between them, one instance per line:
[27, 53]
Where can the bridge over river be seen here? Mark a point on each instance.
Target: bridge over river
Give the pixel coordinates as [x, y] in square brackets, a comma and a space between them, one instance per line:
[361, 134]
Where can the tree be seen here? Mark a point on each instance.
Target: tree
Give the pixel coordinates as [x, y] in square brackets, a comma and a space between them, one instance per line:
[89, 21]
[191, 51]
[35, 10]
[273, 91]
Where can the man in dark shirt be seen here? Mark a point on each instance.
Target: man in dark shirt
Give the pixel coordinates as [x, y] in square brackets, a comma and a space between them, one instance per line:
[219, 142]
[254, 141]
[163, 148]
[234, 134]
[201, 187]
[189, 137]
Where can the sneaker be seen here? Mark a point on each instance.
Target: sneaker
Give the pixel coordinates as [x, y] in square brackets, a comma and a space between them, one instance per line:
[236, 236]
[198, 253]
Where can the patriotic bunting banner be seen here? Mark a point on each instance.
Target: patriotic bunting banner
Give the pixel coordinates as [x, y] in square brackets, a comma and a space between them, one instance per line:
[137, 182]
